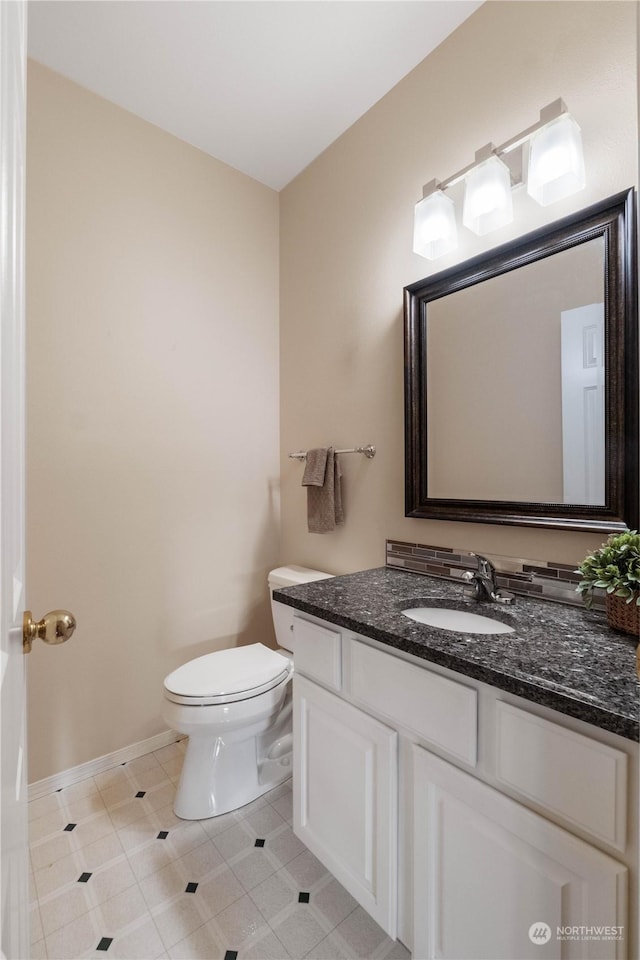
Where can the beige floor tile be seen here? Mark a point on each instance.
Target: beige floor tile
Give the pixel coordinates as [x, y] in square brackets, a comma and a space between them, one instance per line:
[199, 862]
[305, 870]
[202, 944]
[274, 895]
[234, 841]
[44, 827]
[38, 950]
[75, 791]
[362, 934]
[178, 919]
[151, 777]
[264, 821]
[44, 806]
[284, 845]
[299, 931]
[284, 806]
[60, 909]
[185, 837]
[334, 902]
[214, 826]
[220, 891]
[241, 924]
[109, 881]
[118, 913]
[110, 777]
[48, 851]
[92, 829]
[280, 791]
[142, 942]
[75, 939]
[149, 859]
[266, 948]
[35, 924]
[119, 792]
[82, 807]
[331, 948]
[173, 767]
[162, 886]
[253, 867]
[170, 752]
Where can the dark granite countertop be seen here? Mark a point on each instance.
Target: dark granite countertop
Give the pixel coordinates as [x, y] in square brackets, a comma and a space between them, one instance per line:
[560, 656]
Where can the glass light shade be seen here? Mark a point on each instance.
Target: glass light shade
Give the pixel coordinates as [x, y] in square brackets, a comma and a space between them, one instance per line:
[487, 197]
[556, 161]
[434, 226]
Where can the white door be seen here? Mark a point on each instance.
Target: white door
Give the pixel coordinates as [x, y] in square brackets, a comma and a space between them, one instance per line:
[495, 881]
[583, 428]
[345, 785]
[13, 810]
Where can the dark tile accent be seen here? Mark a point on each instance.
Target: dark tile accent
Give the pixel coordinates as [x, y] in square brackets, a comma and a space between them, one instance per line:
[162, 835]
[259, 843]
[231, 955]
[303, 898]
[59, 790]
[105, 943]
[141, 793]
[70, 826]
[84, 877]
[538, 578]
[191, 887]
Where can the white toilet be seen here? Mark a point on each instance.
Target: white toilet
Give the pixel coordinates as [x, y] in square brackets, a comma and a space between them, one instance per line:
[235, 707]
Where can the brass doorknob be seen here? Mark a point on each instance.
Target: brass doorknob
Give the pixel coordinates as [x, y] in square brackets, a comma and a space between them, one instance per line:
[55, 627]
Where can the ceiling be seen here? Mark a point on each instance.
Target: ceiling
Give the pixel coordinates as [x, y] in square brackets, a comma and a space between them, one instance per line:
[263, 85]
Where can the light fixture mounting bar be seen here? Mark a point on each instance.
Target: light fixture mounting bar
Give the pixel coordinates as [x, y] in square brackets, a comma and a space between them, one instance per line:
[551, 112]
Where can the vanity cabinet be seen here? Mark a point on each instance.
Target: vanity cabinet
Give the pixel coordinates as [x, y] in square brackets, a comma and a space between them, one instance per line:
[465, 820]
[489, 874]
[345, 796]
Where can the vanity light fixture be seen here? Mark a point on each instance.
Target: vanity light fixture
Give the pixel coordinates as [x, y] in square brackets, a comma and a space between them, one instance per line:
[555, 171]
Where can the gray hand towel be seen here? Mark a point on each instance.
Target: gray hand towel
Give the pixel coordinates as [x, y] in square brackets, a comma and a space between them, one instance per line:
[324, 503]
[315, 467]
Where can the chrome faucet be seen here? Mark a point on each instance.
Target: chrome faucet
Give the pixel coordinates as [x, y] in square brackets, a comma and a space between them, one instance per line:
[481, 584]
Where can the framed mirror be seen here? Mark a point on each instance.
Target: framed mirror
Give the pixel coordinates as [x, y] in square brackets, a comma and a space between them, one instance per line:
[521, 380]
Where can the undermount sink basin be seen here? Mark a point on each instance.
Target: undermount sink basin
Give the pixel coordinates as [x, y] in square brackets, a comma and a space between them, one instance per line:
[459, 620]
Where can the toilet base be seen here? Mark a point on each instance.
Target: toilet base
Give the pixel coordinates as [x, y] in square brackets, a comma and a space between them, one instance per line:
[219, 775]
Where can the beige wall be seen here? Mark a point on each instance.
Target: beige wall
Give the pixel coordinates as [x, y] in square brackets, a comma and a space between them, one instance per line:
[346, 235]
[152, 314]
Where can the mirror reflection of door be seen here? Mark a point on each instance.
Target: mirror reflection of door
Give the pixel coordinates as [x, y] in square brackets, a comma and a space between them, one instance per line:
[583, 439]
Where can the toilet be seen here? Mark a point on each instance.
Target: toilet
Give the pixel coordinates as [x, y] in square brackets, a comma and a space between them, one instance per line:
[235, 707]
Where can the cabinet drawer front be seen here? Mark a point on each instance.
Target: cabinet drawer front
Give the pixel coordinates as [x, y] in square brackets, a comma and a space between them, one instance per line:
[581, 780]
[439, 710]
[317, 652]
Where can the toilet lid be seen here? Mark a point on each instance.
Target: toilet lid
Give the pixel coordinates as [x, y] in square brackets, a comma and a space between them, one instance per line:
[228, 675]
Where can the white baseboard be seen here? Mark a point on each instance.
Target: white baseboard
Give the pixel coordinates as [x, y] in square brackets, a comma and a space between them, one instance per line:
[85, 770]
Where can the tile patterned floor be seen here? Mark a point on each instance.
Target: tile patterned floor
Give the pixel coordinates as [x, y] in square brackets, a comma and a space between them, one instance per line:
[115, 874]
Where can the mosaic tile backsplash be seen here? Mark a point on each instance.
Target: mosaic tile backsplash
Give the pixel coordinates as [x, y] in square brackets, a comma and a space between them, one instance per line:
[543, 579]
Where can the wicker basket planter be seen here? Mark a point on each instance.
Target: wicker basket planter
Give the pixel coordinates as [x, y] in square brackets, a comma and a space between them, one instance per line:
[622, 615]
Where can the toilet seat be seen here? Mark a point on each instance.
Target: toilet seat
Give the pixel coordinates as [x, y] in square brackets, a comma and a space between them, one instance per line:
[227, 676]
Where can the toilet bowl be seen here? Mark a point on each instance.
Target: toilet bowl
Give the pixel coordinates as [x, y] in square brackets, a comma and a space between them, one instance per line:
[235, 707]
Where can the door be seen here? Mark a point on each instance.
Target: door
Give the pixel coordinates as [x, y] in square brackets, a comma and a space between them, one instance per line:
[494, 881]
[583, 428]
[345, 784]
[14, 889]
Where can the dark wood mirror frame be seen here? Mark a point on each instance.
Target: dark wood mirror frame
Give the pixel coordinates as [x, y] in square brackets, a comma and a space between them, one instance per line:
[614, 221]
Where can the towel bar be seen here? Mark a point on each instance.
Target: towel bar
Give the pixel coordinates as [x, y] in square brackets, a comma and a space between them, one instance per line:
[368, 451]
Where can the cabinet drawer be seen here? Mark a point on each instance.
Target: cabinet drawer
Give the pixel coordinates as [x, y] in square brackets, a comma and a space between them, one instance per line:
[317, 652]
[581, 780]
[438, 710]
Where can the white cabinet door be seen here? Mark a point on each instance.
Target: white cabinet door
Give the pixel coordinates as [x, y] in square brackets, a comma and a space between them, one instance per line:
[494, 881]
[345, 784]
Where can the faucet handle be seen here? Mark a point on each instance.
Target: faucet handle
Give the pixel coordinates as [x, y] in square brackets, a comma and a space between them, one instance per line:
[484, 564]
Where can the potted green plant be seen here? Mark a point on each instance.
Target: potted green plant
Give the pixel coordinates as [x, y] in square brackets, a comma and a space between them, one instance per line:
[615, 567]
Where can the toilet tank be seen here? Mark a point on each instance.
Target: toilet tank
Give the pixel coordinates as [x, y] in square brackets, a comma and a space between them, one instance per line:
[289, 576]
